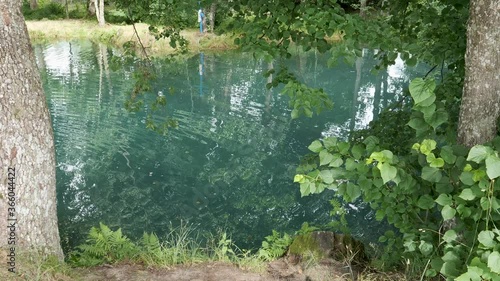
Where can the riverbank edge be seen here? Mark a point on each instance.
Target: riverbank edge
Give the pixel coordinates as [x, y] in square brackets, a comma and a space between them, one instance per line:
[48, 31]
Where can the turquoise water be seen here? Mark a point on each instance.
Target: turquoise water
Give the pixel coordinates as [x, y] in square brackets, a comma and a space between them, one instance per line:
[230, 163]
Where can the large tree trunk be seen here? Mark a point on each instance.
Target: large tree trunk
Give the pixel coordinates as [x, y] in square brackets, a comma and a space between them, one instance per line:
[480, 106]
[27, 157]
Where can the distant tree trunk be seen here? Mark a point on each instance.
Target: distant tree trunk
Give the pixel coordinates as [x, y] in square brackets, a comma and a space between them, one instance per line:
[480, 106]
[27, 157]
[362, 8]
[33, 4]
[67, 8]
[91, 7]
[99, 11]
[211, 17]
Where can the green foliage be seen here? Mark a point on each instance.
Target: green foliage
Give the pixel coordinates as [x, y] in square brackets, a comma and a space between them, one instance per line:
[104, 246]
[443, 198]
[274, 246]
[51, 11]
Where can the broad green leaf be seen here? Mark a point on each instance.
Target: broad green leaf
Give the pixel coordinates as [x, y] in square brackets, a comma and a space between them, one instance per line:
[388, 172]
[330, 142]
[494, 262]
[427, 146]
[473, 274]
[486, 237]
[421, 89]
[447, 155]
[299, 178]
[315, 146]
[431, 174]
[425, 202]
[439, 117]
[444, 199]
[466, 178]
[357, 151]
[304, 189]
[325, 157]
[448, 212]
[478, 153]
[353, 191]
[493, 166]
[295, 112]
[450, 269]
[425, 248]
[450, 236]
[327, 176]
[336, 161]
[418, 124]
[467, 194]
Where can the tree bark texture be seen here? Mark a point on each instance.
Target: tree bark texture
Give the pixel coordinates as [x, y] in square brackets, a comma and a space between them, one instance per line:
[26, 142]
[480, 106]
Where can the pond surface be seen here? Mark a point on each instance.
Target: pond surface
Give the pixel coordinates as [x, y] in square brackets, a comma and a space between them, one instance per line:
[230, 163]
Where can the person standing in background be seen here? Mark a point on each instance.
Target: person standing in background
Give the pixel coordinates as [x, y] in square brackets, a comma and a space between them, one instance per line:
[201, 20]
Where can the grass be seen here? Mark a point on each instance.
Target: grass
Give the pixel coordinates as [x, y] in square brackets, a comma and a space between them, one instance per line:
[116, 35]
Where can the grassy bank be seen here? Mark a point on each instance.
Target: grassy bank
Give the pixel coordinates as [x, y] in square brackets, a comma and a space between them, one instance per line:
[116, 35]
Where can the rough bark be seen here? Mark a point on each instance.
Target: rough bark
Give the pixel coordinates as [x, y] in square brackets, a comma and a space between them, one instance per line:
[480, 106]
[26, 141]
[33, 4]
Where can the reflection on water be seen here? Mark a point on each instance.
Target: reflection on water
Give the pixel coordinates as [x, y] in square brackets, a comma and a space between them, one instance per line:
[229, 165]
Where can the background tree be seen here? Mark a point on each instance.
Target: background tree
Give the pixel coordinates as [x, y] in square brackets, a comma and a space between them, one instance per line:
[27, 142]
[480, 106]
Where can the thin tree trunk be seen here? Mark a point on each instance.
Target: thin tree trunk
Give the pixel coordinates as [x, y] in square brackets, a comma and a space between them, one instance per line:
[101, 20]
[362, 8]
[480, 106]
[211, 17]
[91, 7]
[27, 156]
[67, 8]
[33, 4]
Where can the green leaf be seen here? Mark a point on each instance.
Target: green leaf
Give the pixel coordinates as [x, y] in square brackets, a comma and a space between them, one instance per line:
[431, 174]
[494, 262]
[425, 248]
[315, 146]
[388, 172]
[330, 142]
[493, 166]
[447, 155]
[427, 146]
[473, 274]
[421, 89]
[448, 212]
[467, 194]
[486, 237]
[466, 178]
[305, 189]
[299, 178]
[439, 117]
[444, 199]
[357, 151]
[325, 157]
[425, 202]
[353, 191]
[327, 176]
[450, 236]
[450, 269]
[478, 153]
[336, 161]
